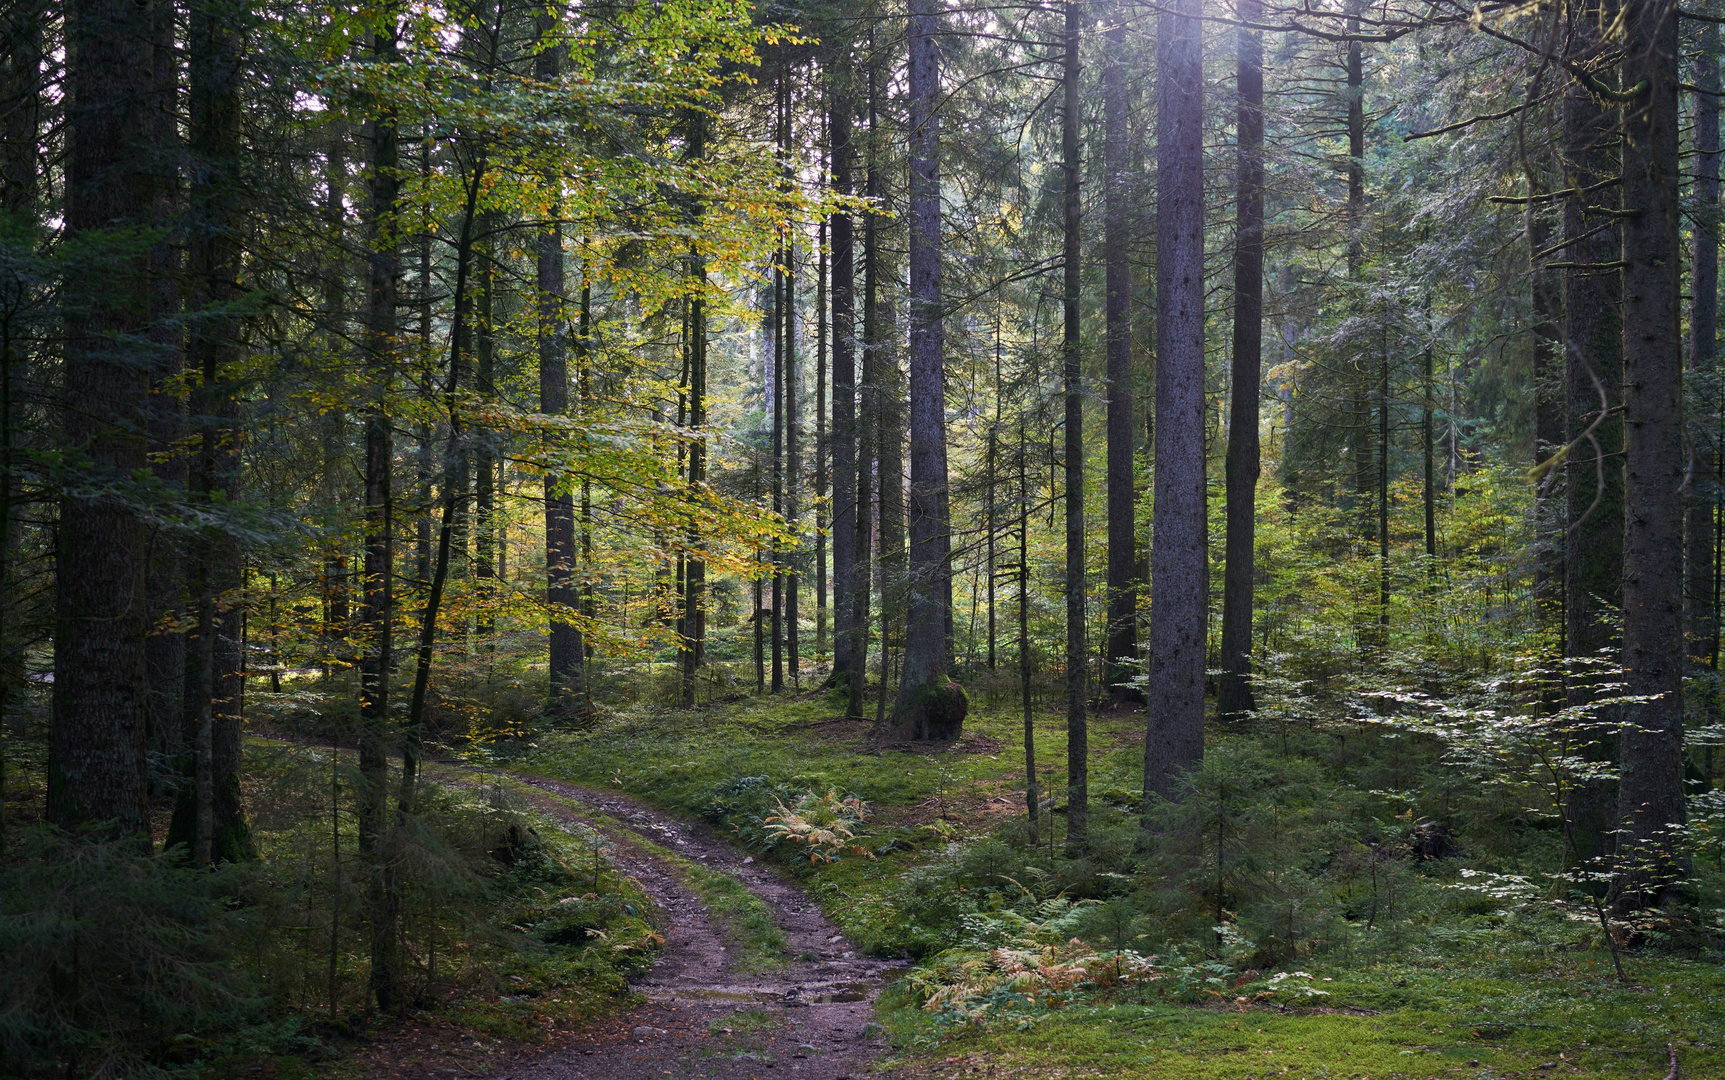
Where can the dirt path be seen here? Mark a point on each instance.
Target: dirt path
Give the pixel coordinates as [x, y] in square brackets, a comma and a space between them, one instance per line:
[812, 1019]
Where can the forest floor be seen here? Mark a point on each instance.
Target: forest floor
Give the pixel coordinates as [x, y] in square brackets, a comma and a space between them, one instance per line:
[752, 981]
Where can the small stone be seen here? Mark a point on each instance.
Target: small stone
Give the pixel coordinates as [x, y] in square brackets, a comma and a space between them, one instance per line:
[807, 1048]
[747, 859]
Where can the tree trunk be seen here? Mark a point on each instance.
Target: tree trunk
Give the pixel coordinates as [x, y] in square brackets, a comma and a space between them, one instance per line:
[1650, 795]
[1361, 418]
[930, 705]
[867, 421]
[165, 588]
[1077, 720]
[1123, 584]
[96, 753]
[1702, 604]
[1593, 484]
[775, 329]
[377, 593]
[1234, 693]
[1174, 742]
[848, 635]
[213, 684]
[793, 459]
[694, 567]
[822, 491]
[1032, 797]
[566, 698]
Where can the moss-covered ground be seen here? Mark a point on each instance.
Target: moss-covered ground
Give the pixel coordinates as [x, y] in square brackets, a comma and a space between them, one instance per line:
[1431, 979]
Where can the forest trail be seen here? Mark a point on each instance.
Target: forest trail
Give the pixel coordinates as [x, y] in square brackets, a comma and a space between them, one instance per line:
[702, 1018]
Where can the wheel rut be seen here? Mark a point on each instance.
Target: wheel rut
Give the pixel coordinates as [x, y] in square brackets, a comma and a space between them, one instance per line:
[703, 1017]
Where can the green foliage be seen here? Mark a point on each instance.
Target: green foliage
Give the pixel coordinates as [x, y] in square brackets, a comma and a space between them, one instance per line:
[118, 960]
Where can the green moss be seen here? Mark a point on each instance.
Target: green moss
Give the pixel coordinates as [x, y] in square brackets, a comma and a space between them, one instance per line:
[758, 943]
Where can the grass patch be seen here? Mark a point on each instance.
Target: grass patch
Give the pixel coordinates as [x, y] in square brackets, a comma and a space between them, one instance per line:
[1527, 1016]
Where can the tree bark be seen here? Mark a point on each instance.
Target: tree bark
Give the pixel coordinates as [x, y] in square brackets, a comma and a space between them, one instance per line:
[96, 753]
[165, 648]
[1701, 604]
[1174, 742]
[848, 635]
[929, 705]
[1234, 693]
[566, 698]
[1077, 720]
[1650, 795]
[214, 683]
[1593, 484]
[377, 594]
[867, 420]
[1123, 584]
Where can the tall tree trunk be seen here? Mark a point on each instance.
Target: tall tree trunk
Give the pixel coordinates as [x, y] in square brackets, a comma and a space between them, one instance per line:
[165, 648]
[1123, 584]
[929, 706]
[1032, 797]
[822, 491]
[1593, 484]
[96, 749]
[1650, 794]
[695, 567]
[793, 460]
[886, 386]
[566, 698]
[213, 675]
[775, 327]
[1702, 605]
[867, 420]
[1077, 720]
[848, 635]
[1361, 418]
[1174, 742]
[485, 546]
[1234, 693]
[453, 482]
[377, 592]
[1549, 419]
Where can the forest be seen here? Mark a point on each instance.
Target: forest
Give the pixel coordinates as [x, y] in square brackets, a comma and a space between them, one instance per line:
[1154, 539]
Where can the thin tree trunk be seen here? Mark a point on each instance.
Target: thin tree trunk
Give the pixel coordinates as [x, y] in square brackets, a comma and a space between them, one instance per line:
[776, 395]
[929, 705]
[1549, 419]
[847, 511]
[1234, 693]
[695, 567]
[868, 433]
[453, 484]
[96, 749]
[1174, 742]
[1356, 261]
[1077, 720]
[822, 491]
[1702, 604]
[1123, 584]
[793, 460]
[1650, 795]
[377, 595]
[1032, 797]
